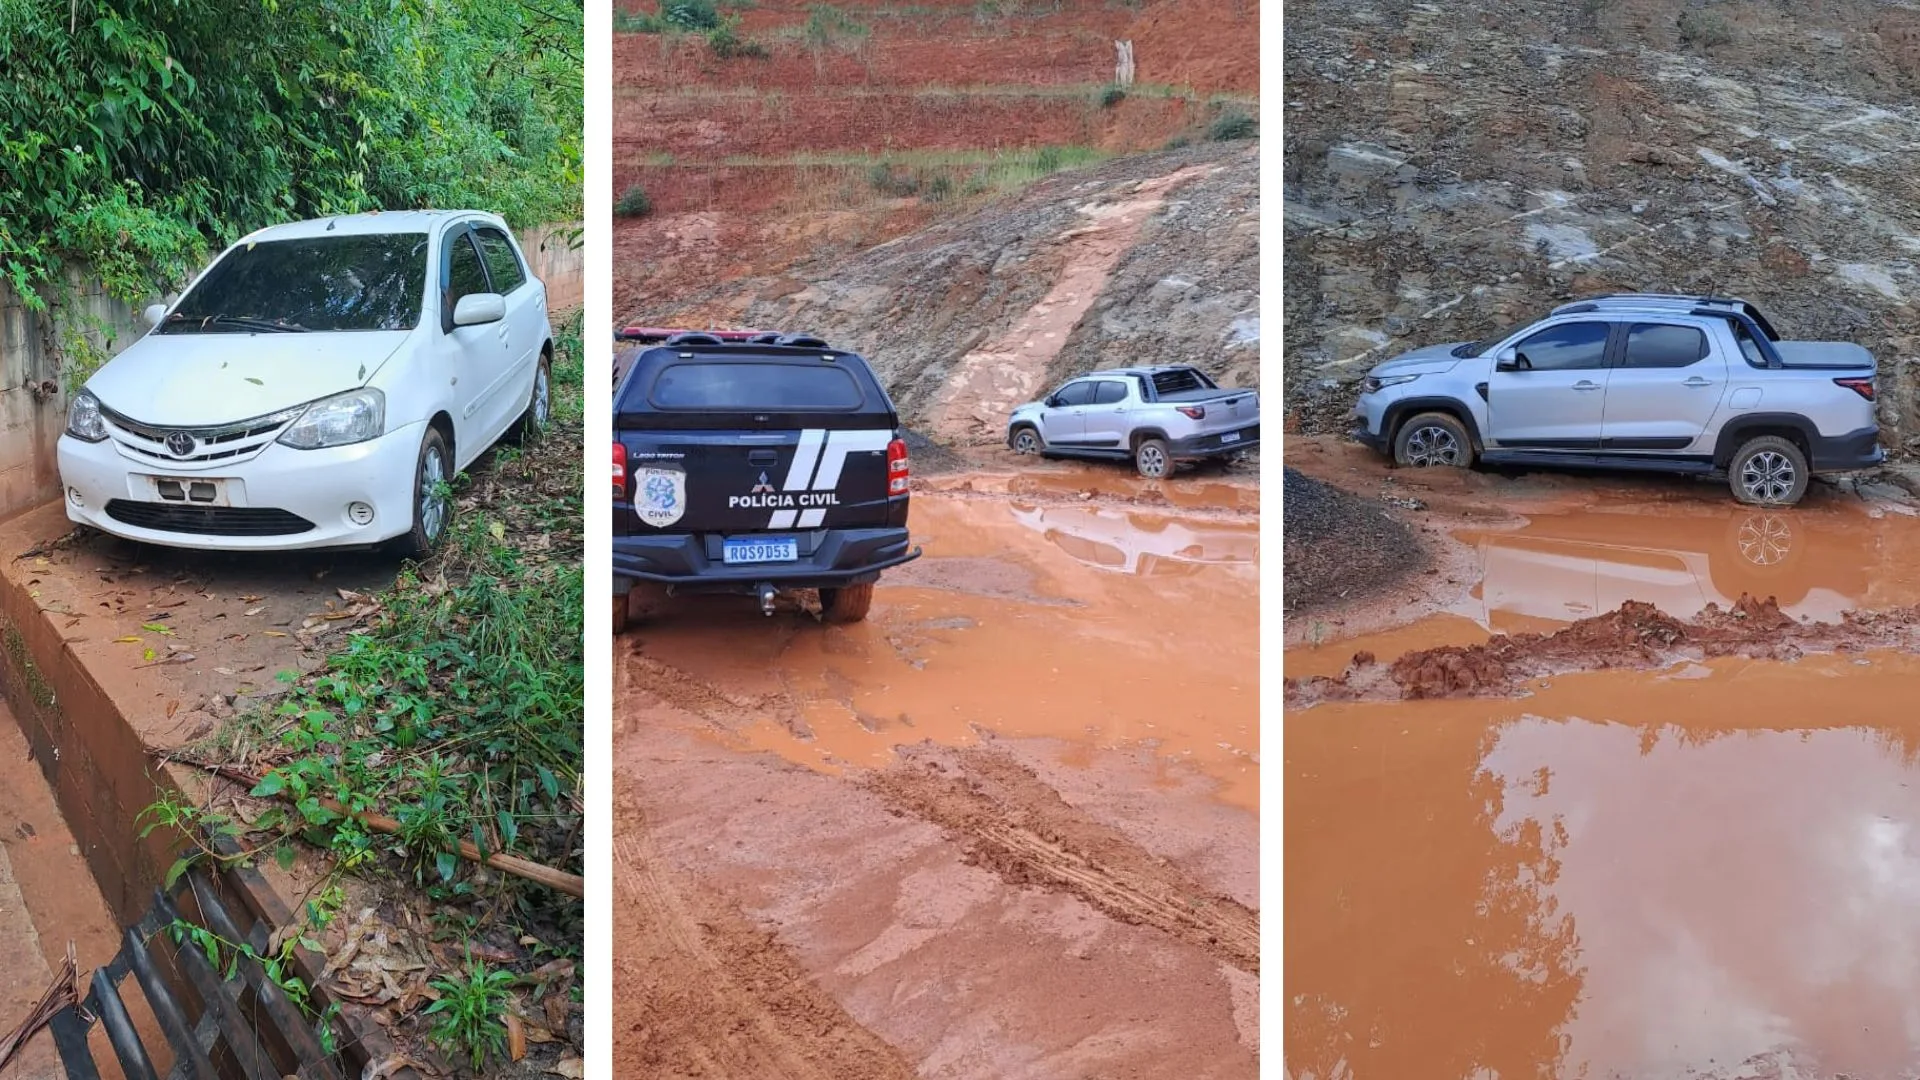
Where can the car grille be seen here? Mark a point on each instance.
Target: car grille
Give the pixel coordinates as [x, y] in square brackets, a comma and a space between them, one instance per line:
[221, 444]
[207, 520]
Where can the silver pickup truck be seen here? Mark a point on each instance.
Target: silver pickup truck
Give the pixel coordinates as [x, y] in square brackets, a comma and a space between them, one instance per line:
[1651, 381]
[1155, 415]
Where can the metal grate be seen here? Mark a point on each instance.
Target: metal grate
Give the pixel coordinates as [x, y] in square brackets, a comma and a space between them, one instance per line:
[207, 520]
[243, 1028]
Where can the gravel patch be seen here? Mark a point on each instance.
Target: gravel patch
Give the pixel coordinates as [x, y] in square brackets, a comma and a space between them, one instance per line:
[1338, 547]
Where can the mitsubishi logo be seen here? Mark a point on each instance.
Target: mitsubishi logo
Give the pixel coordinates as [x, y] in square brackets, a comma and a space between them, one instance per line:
[180, 444]
[762, 488]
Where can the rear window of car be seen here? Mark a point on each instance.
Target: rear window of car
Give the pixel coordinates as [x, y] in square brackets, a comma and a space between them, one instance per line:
[738, 386]
[1663, 345]
[1180, 380]
[372, 281]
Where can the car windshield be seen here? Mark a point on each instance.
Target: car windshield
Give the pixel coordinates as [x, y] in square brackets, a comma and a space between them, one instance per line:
[370, 281]
[1479, 348]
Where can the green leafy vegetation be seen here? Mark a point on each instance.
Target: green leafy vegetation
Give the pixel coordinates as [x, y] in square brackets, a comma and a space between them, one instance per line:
[634, 202]
[466, 1018]
[135, 137]
[1231, 125]
[703, 17]
[1111, 96]
[829, 27]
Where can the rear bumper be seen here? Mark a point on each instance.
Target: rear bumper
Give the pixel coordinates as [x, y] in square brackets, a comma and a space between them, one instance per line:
[1841, 453]
[1225, 442]
[829, 559]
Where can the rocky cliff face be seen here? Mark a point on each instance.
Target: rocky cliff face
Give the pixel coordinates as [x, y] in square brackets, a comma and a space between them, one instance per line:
[1452, 168]
[1148, 259]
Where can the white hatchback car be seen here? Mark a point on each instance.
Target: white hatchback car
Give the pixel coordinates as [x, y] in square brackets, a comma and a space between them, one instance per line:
[317, 386]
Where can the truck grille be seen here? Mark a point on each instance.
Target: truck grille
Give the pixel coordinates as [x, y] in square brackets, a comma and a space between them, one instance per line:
[205, 447]
[207, 520]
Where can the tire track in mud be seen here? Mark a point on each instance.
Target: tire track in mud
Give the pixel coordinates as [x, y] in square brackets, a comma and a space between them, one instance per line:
[700, 697]
[1636, 636]
[1011, 822]
[700, 991]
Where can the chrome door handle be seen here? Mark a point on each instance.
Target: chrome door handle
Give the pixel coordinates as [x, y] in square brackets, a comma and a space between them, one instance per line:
[1584, 385]
[1697, 382]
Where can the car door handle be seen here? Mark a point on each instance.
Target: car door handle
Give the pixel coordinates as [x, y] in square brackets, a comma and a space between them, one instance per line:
[1697, 382]
[763, 457]
[1585, 385]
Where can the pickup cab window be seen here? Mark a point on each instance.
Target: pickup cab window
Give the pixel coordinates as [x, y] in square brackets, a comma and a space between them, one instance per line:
[1662, 345]
[1074, 393]
[1109, 392]
[1573, 346]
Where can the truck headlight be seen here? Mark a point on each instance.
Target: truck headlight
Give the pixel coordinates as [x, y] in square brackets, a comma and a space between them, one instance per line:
[1374, 383]
[340, 420]
[83, 418]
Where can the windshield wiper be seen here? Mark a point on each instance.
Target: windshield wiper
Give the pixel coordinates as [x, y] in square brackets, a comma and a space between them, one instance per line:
[246, 323]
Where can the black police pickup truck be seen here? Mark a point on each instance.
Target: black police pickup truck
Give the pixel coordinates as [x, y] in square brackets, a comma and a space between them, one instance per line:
[754, 464]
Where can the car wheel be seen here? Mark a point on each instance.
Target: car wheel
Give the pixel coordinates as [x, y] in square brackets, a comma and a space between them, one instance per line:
[540, 404]
[1433, 439]
[1152, 459]
[432, 503]
[1027, 441]
[1768, 471]
[847, 604]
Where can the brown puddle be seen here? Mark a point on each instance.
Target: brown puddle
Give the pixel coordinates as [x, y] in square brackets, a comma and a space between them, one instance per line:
[1711, 871]
[1086, 624]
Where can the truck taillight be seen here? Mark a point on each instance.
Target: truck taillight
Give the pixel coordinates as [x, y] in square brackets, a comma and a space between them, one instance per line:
[1194, 412]
[1863, 387]
[897, 472]
[619, 471]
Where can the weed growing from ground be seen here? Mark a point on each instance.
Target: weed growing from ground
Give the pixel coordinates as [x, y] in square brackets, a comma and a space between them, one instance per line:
[466, 1019]
[634, 202]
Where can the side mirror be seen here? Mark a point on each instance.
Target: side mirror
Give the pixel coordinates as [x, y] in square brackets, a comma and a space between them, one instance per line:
[475, 309]
[154, 313]
[1053, 401]
[1509, 359]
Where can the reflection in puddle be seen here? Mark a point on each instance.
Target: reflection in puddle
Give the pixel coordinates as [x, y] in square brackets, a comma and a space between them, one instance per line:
[1817, 564]
[1134, 543]
[995, 631]
[1611, 878]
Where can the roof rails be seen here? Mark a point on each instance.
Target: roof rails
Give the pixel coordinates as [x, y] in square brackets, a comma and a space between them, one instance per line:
[654, 335]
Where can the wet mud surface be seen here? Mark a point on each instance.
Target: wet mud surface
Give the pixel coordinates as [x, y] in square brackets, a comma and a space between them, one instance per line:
[1626, 789]
[1004, 828]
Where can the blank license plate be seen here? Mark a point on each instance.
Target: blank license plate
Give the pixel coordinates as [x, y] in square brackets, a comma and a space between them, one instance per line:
[1231, 436]
[188, 491]
[761, 550]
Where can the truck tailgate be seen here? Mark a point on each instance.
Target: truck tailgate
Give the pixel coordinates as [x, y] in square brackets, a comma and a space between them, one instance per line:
[1226, 410]
[754, 481]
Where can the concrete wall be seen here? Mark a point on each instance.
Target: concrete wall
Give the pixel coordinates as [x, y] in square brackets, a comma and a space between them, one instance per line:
[554, 262]
[33, 394]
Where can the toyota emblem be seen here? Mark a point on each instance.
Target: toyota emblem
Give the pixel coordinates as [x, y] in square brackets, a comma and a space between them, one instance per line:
[180, 444]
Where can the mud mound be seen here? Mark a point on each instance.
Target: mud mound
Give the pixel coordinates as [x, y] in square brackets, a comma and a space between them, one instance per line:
[1337, 547]
[1636, 635]
[1018, 827]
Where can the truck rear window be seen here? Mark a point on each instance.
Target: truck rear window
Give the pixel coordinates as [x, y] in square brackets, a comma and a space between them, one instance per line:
[749, 387]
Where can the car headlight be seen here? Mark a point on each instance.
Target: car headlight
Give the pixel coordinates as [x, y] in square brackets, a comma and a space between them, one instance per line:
[83, 418]
[1375, 383]
[339, 421]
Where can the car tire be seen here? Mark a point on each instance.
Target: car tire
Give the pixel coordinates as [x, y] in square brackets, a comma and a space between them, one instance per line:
[1153, 460]
[1026, 441]
[1768, 470]
[846, 604]
[539, 412]
[1433, 439]
[431, 468]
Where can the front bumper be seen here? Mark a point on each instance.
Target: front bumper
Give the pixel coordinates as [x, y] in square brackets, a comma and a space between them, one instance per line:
[1225, 442]
[273, 493]
[1842, 453]
[691, 562]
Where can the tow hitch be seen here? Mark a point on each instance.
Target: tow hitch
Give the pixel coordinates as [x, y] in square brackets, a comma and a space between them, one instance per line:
[766, 591]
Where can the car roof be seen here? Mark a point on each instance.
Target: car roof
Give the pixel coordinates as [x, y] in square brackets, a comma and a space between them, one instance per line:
[371, 222]
[1156, 369]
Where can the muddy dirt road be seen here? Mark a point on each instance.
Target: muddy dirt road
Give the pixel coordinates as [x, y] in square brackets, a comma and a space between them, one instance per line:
[1562, 817]
[1005, 828]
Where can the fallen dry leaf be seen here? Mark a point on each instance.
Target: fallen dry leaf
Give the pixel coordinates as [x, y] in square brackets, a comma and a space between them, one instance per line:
[516, 1037]
[572, 1067]
[276, 633]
